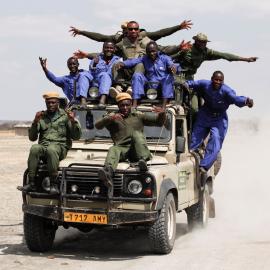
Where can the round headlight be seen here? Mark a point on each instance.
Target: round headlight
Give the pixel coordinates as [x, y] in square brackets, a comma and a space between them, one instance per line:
[97, 189]
[74, 188]
[93, 92]
[135, 187]
[151, 93]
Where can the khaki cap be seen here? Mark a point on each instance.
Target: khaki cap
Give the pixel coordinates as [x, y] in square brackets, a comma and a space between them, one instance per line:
[51, 95]
[122, 96]
[124, 24]
[201, 37]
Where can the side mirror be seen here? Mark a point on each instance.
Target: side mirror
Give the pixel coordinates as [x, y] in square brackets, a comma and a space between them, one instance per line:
[180, 144]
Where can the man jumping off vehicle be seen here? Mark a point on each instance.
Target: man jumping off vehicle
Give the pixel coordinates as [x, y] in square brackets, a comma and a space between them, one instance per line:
[212, 116]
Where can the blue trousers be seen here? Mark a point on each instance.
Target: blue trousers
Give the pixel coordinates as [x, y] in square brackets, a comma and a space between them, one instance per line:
[83, 85]
[217, 127]
[103, 81]
[139, 81]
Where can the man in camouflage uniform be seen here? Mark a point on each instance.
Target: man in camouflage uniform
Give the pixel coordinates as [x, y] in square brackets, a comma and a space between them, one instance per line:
[126, 129]
[54, 129]
[191, 59]
[186, 24]
[134, 46]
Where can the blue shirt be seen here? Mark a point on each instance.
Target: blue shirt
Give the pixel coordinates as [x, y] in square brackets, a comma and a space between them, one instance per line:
[102, 65]
[83, 78]
[216, 101]
[154, 70]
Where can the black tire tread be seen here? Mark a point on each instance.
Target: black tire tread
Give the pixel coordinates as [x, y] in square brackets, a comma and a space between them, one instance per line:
[158, 232]
[195, 212]
[38, 238]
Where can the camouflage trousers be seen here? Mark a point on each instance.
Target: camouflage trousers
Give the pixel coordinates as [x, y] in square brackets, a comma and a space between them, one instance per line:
[133, 152]
[126, 74]
[52, 154]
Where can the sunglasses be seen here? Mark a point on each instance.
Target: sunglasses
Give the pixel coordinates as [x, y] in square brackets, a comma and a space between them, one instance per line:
[51, 102]
[134, 28]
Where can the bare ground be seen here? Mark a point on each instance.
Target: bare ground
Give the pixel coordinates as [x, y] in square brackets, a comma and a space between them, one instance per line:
[238, 238]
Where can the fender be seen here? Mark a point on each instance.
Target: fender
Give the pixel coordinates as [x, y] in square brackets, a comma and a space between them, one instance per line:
[166, 186]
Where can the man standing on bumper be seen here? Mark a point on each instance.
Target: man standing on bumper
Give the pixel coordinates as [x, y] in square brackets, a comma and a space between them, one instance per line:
[54, 129]
[126, 129]
[212, 116]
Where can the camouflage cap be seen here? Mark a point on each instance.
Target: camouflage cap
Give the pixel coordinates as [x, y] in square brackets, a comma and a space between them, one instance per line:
[122, 96]
[51, 95]
[201, 37]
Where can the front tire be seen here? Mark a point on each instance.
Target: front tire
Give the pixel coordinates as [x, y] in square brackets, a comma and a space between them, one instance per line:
[162, 232]
[39, 232]
[198, 214]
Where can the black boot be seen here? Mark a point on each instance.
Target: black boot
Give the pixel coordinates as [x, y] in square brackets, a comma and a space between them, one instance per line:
[54, 190]
[142, 165]
[28, 187]
[105, 175]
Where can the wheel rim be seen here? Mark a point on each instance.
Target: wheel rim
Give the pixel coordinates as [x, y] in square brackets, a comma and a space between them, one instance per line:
[170, 222]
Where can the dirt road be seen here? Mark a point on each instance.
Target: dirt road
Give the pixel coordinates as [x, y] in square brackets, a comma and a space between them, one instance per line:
[238, 238]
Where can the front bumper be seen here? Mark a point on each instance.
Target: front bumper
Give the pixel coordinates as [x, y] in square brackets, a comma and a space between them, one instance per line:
[114, 217]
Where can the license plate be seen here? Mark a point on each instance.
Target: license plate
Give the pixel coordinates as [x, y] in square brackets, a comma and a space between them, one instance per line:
[85, 218]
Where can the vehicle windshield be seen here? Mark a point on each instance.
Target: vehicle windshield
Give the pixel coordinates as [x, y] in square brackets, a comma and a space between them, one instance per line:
[88, 119]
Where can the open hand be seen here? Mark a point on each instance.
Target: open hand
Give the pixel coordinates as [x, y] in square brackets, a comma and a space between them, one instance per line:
[74, 31]
[184, 46]
[186, 24]
[80, 54]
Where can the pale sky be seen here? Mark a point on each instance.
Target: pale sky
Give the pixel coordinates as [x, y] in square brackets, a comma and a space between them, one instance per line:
[31, 28]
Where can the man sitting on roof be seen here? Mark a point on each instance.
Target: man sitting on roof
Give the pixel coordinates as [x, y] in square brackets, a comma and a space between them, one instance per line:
[75, 85]
[159, 70]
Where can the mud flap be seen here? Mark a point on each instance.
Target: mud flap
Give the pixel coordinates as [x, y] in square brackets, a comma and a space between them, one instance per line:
[212, 208]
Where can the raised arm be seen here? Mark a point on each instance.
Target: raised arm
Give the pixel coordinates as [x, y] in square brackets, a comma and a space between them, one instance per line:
[59, 81]
[215, 55]
[239, 101]
[174, 50]
[81, 54]
[96, 36]
[186, 24]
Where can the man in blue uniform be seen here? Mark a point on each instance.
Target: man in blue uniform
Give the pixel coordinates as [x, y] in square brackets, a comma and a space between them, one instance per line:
[101, 70]
[159, 70]
[75, 85]
[212, 117]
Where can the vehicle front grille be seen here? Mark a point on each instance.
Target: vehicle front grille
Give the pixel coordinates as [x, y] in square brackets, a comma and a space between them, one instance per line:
[87, 180]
